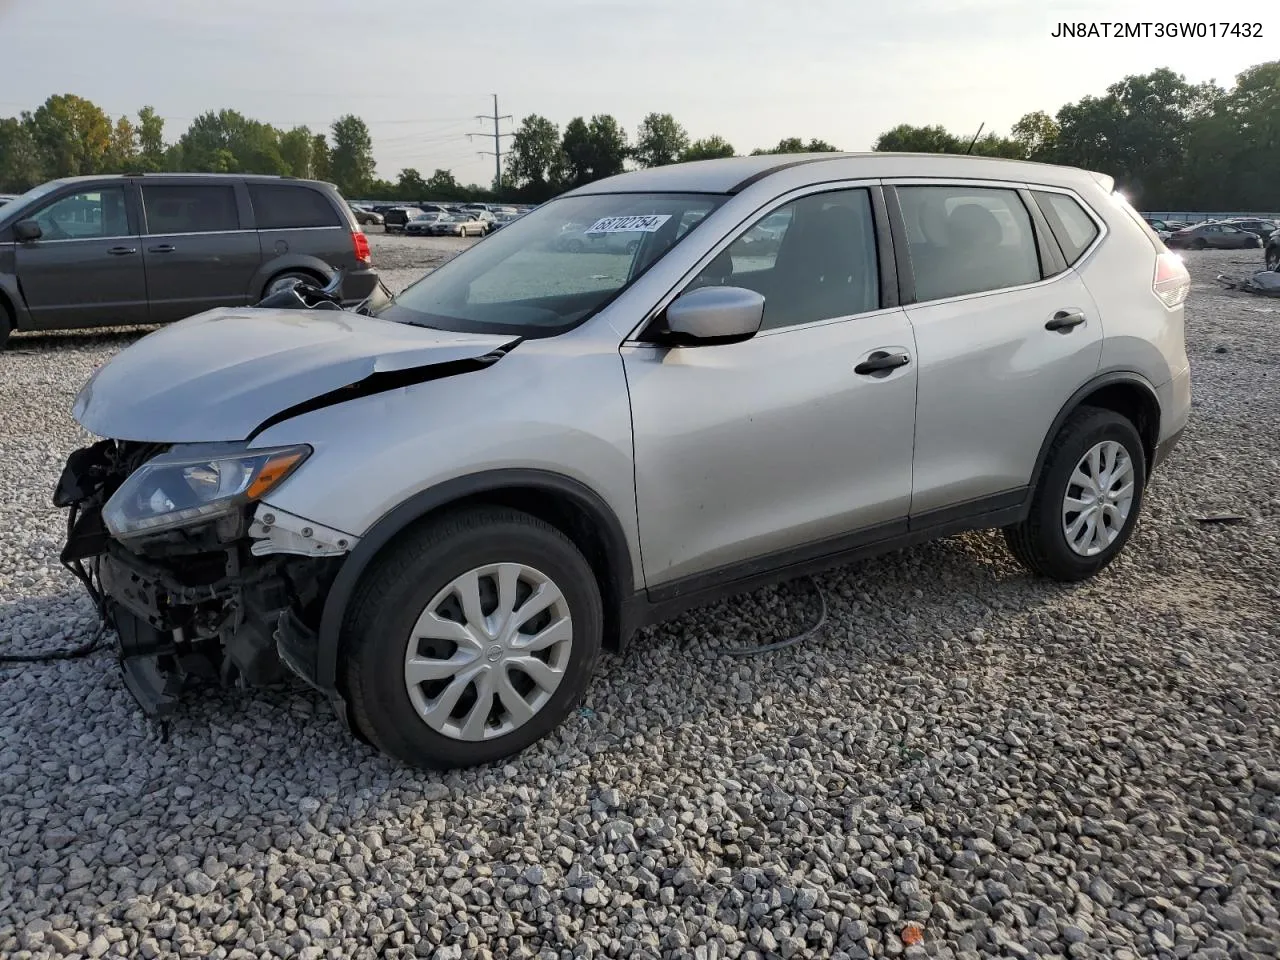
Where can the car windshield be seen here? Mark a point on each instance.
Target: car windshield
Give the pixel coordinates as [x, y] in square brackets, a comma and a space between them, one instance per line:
[537, 279]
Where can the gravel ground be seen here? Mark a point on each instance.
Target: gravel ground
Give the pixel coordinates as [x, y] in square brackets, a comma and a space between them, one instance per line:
[1018, 768]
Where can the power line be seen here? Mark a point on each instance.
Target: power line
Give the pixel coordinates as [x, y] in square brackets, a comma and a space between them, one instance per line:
[497, 141]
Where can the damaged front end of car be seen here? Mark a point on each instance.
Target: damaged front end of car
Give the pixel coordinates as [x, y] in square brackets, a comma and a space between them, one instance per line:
[187, 565]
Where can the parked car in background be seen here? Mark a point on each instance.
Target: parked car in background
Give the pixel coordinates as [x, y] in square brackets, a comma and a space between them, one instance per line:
[420, 226]
[395, 218]
[549, 452]
[117, 250]
[503, 219]
[1263, 228]
[1272, 253]
[1215, 236]
[458, 225]
[366, 216]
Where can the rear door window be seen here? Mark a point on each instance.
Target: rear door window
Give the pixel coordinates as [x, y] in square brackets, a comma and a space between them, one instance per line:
[1073, 228]
[280, 207]
[182, 208]
[968, 239]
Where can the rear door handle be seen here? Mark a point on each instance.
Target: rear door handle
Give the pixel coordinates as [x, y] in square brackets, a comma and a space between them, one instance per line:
[881, 361]
[162, 248]
[122, 251]
[1065, 320]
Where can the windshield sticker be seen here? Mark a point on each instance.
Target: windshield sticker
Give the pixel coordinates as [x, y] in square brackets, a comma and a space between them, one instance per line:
[645, 224]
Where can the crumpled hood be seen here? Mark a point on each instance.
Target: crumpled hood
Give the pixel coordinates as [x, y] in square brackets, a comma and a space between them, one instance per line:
[221, 374]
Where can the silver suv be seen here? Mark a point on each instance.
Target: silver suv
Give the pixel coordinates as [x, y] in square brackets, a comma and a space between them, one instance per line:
[441, 509]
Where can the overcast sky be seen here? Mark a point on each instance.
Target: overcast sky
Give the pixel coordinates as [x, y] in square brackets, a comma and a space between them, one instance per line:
[753, 71]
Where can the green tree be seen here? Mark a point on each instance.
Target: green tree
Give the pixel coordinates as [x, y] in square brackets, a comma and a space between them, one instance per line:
[72, 134]
[1137, 132]
[20, 164]
[410, 185]
[1037, 136]
[151, 135]
[321, 169]
[536, 163]
[123, 149]
[593, 150]
[295, 150]
[905, 138]
[229, 142]
[351, 160]
[796, 145]
[660, 141]
[1231, 149]
[443, 186]
[708, 148]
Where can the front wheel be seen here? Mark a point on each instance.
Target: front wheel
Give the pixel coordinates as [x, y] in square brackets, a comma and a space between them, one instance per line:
[1196, 244]
[1087, 500]
[471, 640]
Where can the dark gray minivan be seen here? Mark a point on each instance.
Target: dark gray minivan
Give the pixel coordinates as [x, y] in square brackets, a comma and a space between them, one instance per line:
[117, 250]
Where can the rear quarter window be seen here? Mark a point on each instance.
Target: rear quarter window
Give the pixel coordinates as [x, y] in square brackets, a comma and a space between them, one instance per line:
[282, 207]
[1072, 227]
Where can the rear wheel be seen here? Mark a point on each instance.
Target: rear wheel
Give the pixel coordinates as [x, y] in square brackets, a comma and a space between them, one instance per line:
[1087, 500]
[1196, 244]
[282, 281]
[1273, 258]
[472, 640]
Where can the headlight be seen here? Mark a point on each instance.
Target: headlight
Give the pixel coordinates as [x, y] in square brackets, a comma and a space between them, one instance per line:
[192, 484]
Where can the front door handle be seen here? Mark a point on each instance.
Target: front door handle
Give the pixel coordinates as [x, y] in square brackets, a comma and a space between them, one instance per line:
[1065, 320]
[162, 248]
[122, 251]
[881, 362]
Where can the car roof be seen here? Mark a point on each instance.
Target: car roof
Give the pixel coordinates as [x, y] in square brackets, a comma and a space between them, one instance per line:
[256, 177]
[733, 174]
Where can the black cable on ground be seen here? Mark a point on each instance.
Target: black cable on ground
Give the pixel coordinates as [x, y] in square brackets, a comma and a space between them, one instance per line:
[790, 641]
[86, 577]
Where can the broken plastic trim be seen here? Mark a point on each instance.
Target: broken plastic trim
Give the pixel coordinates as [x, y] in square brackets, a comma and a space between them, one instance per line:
[382, 382]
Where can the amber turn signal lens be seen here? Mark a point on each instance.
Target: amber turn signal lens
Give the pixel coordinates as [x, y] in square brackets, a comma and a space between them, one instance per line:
[275, 470]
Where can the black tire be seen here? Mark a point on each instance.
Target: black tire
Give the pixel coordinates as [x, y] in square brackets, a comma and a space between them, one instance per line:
[1273, 258]
[1039, 542]
[1197, 244]
[575, 246]
[397, 589]
[301, 275]
[6, 325]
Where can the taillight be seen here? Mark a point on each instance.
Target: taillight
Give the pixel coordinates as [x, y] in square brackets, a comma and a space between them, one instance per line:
[361, 244]
[1172, 282]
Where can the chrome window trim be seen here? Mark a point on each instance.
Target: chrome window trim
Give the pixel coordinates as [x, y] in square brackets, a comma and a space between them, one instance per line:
[40, 242]
[200, 233]
[732, 234]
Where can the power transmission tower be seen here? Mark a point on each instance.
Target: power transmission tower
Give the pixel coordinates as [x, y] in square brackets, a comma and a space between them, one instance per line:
[496, 152]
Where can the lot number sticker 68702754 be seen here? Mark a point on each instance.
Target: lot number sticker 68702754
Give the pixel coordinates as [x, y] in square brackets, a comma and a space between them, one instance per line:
[648, 223]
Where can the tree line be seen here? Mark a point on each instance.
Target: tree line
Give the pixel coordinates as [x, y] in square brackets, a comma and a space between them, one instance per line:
[1169, 144]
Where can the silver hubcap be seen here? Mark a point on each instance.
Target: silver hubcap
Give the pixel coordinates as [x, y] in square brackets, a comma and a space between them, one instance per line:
[1099, 497]
[488, 651]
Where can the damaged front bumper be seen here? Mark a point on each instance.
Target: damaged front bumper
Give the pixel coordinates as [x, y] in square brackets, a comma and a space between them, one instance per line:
[229, 604]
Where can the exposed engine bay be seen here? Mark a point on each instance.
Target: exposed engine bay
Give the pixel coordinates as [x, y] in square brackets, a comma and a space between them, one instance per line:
[190, 604]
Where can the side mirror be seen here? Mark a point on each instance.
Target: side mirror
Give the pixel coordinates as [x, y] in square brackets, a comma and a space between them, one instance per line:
[27, 230]
[716, 315]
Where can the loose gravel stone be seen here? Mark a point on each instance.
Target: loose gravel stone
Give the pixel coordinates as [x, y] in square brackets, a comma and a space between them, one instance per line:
[1020, 768]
